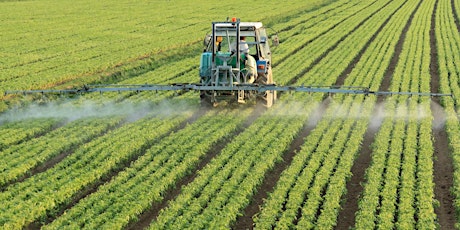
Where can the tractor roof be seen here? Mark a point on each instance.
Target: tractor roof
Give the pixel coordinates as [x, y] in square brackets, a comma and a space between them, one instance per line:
[257, 25]
[243, 25]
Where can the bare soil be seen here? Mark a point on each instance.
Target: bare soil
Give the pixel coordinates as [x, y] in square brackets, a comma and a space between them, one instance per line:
[332, 47]
[443, 167]
[443, 177]
[245, 221]
[346, 218]
[148, 216]
[94, 186]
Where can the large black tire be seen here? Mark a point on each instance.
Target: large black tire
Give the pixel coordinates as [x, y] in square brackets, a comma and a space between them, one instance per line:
[205, 100]
[269, 97]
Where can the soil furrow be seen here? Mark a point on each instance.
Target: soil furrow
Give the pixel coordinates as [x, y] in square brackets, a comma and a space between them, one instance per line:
[148, 216]
[106, 178]
[321, 34]
[456, 20]
[332, 47]
[443, 168]
[341, 79]
[56, 159]
[245, 221]
[346, 217]
[443, 172]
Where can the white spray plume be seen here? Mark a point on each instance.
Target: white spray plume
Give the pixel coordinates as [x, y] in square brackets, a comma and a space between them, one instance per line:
[354, 111]
[71, 111]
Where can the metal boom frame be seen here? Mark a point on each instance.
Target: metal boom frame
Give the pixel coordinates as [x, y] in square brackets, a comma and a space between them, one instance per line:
[198, 87]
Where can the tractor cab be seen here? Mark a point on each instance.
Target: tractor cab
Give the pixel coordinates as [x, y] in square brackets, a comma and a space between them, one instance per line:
[236, 53]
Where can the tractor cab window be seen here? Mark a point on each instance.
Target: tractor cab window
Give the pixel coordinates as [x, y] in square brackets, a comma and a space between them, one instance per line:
[228, 44]
[251, 41]
[222, 44]
[264, 47]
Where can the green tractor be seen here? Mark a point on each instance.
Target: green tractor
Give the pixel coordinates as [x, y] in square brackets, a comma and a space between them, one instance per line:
[237, 53]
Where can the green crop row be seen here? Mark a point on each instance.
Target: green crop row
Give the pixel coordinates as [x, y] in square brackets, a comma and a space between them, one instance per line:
[44, 193]
[330, 180]
[399, 191]
[151, 175]
[448, 40]
[306, 56]
[19, 159]
[224, 186]
[384, 154]
[309, 27]
[62, 41]
[373, 63]
[285, 195]
[448, 44]
[300, 186]
[349, 48]
[18, 131]
[399, 188]
[195, 208]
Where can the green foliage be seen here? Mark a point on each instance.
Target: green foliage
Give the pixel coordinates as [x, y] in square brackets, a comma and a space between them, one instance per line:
[151, 175]
[54, 43]
[26, 202]
[448, 41]
[63, 44]
[20, 158]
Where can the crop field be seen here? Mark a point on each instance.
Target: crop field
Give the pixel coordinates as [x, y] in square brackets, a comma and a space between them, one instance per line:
[158, 160]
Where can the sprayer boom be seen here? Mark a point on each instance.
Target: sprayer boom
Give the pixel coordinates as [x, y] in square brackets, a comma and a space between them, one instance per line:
[237, 87]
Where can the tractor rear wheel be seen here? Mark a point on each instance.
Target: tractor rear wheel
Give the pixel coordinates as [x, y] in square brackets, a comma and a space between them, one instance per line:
[269, 97]
[205, 100]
